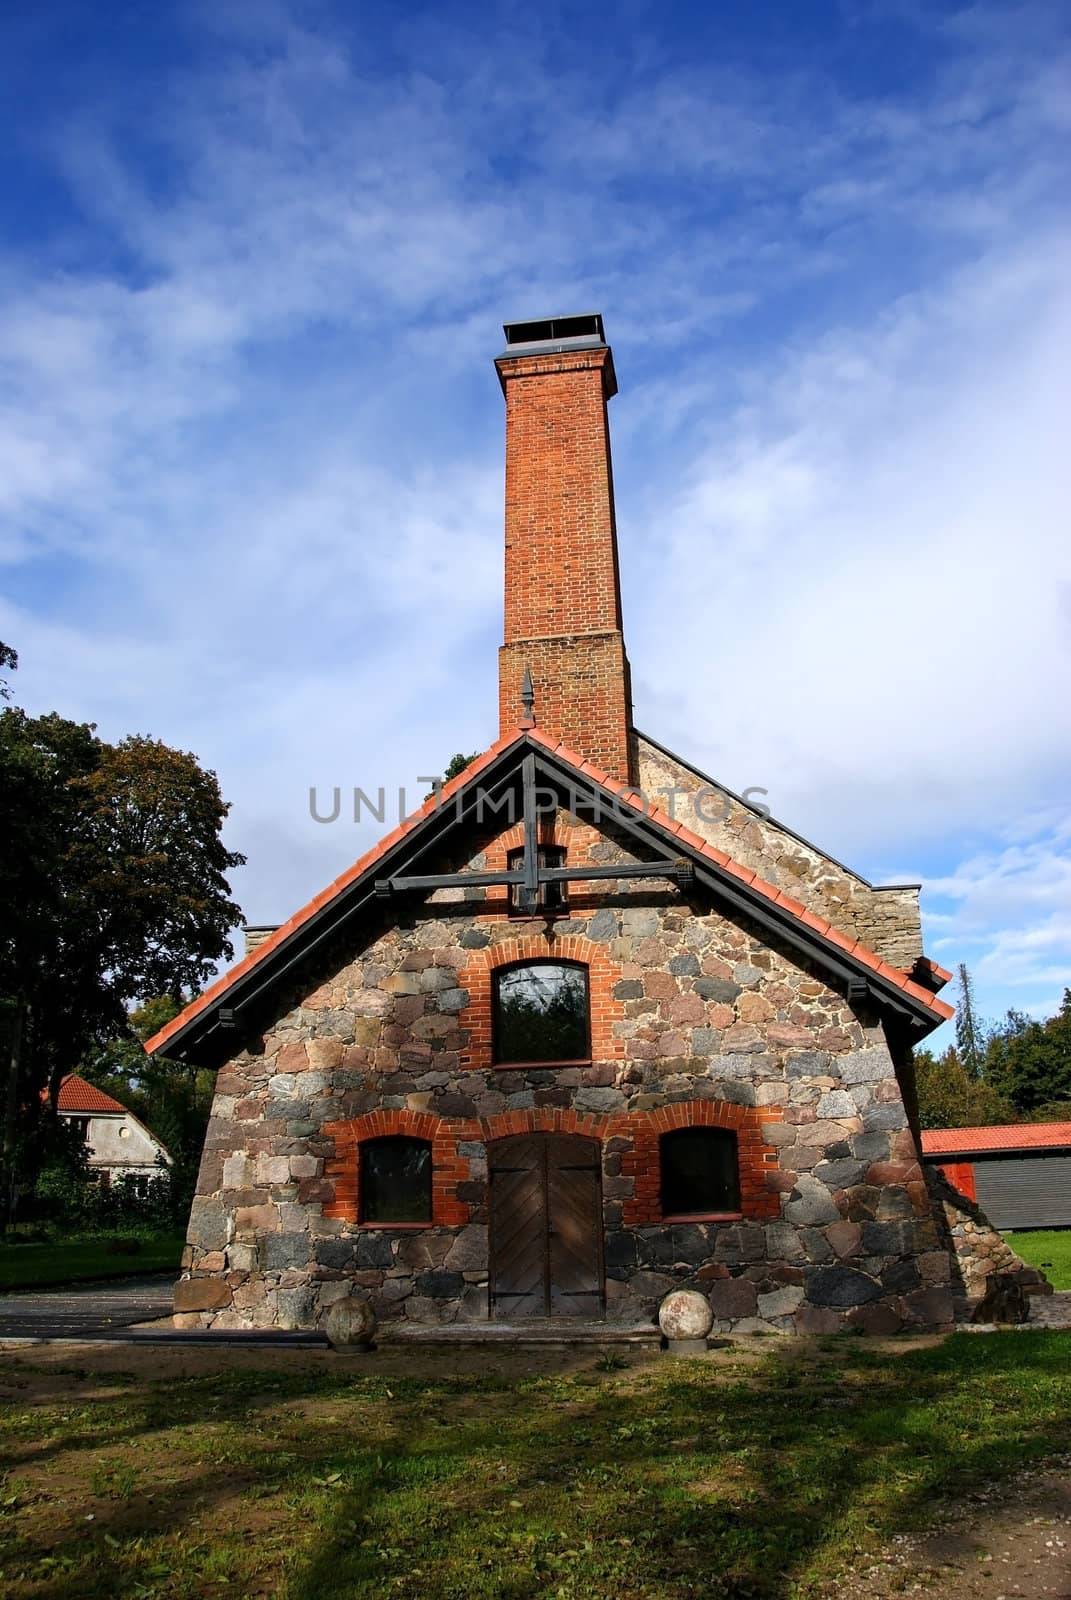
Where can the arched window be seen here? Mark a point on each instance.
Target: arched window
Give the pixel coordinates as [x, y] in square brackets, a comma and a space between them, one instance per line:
[700, 1172]
[395, 1180]
[541, 1013]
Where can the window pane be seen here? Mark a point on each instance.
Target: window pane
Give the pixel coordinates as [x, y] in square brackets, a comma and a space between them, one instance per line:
[699, 1171]
[541, 1013]
[396, 1181]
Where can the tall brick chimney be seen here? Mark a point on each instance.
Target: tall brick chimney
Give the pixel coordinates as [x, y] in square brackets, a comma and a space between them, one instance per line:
[563, 595]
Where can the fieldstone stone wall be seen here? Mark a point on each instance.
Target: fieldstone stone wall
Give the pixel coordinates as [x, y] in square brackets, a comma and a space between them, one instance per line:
[977, 1250]
[700, 1020]
[886, 919]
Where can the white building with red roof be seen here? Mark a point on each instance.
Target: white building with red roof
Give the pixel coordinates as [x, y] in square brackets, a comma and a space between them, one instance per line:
[119, 1144]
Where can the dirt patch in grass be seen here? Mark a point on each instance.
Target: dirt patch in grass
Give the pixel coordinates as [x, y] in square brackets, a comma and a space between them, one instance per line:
[1010, 1539]
[766, 1470]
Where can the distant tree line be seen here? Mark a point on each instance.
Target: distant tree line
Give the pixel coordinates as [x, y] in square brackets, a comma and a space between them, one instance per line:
[1016, 1070]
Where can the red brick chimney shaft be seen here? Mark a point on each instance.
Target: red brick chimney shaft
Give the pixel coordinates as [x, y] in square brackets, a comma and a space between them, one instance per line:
[563, 596]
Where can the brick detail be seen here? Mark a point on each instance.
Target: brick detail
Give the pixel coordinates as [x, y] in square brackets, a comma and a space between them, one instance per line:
[756, 1157]
[448, 1168]
[477, 977]
[642, 1129]
[574, 837]
[563, 593]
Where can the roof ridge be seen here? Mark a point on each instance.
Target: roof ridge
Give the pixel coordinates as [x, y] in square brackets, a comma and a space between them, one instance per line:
[77, 1087]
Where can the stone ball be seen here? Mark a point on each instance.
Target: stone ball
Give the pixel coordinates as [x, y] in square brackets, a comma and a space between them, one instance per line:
[685, 1314]
[351, 1322]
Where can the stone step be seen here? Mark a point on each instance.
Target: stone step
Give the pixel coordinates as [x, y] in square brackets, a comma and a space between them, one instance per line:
[532, 1330]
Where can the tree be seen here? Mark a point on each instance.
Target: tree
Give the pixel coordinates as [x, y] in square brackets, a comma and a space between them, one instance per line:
[457, 765]
[951, 1097]
[8, 661]
[113, 886]
[970, 1033]
[1030, 1062]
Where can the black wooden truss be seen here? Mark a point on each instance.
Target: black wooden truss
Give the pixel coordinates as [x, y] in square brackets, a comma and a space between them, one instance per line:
[531, 875]
[527, 781]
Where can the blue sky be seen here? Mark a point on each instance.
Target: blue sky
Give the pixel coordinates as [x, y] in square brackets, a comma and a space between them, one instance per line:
[254, 270]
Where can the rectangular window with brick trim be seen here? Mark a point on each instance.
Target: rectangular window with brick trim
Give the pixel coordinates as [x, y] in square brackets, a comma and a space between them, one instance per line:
[699, 1173]
[395, 1181]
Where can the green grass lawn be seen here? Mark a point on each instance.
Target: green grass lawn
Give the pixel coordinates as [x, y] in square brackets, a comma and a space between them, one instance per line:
[740, 1476]
[1049, 1249]
[63, 1261]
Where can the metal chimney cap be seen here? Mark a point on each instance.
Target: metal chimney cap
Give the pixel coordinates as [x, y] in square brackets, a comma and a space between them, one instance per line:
[580, 332]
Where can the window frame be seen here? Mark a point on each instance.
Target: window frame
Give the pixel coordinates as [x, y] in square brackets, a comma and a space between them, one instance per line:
[727, 1137]
[544, 905]
[363, 1150]
[551, 1061]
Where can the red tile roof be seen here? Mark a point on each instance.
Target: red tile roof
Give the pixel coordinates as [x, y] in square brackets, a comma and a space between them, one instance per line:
[1008, 1136]
[77, 1095]
[854, 947]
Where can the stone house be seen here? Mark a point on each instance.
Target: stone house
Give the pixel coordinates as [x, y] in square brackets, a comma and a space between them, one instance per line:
[588, 1027]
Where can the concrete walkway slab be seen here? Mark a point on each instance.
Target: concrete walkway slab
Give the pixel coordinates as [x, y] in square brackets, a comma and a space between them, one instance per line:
[92, 1309]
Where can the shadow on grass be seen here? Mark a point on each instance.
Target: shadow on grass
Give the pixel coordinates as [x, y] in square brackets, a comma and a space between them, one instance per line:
[691, 1482]
[679, 1479]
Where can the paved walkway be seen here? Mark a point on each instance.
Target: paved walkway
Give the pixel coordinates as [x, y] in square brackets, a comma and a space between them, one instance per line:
[94, 1310]
[1050, 1310]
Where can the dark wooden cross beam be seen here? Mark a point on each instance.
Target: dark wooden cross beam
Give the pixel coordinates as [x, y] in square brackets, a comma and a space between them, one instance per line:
[530, 875]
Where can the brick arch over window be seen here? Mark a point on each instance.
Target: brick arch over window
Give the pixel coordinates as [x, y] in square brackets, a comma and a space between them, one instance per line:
[756, 1157]
[639, 1131]
[477, 977]
[343, 1169]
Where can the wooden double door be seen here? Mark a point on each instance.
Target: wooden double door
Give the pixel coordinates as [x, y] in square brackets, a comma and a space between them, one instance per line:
[545, 1208]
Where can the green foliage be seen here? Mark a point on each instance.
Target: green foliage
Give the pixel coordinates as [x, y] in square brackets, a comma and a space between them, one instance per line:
[457, 765]
[74, 1205]
[951, 1097]
[112, 885]
[1024, 1074]
[8, 662]
[1030, 1063]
